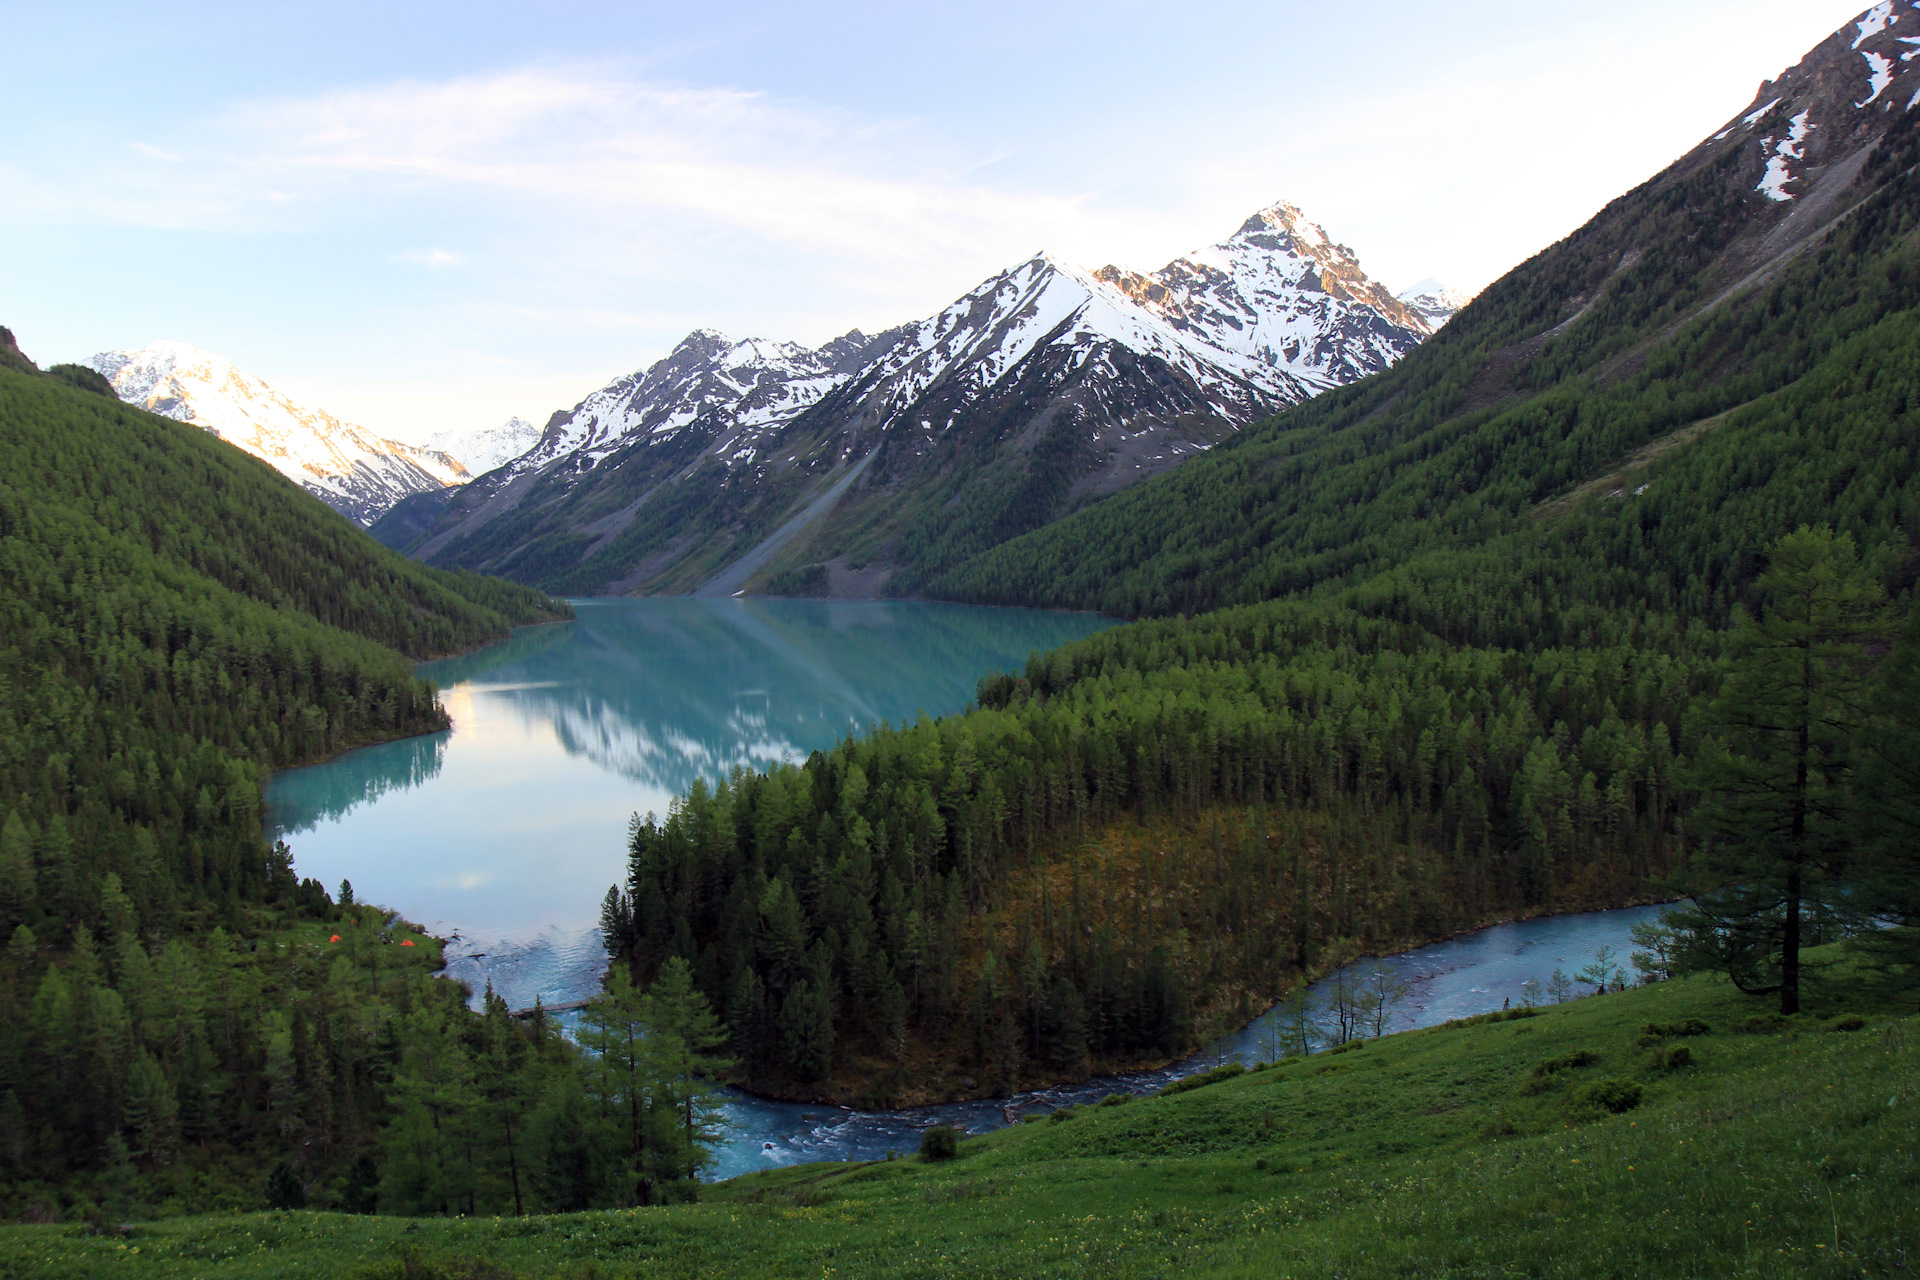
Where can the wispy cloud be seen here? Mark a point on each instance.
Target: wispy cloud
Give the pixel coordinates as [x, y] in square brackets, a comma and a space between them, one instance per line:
[585, 169]
[604, 145]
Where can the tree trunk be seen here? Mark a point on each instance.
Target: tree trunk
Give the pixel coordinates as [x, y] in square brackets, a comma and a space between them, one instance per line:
[513, 1169]
[1797, 852]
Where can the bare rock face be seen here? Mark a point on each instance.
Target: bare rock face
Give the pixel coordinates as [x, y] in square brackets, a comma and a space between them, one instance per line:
[1040, 388]
[1827, 109]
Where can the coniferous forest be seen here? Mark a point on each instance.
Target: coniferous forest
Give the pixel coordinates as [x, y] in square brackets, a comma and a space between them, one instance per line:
[184, 1019]
[1603, 595]
[1482, 683]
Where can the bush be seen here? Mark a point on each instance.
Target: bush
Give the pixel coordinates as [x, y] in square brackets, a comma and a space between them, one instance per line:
[1063, 1113]
[1116, 1099]
[941, 1142]
[1348, 1046]
[806, 580]
[1611, 1093]
[1226, 1071]
[1677, 1057]
[283, 1188]
[1565, 1062]
[1847, 1022]
[1687, 1027]
[1761, 1024]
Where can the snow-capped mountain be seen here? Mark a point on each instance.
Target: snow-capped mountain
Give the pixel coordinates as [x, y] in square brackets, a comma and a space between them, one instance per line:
[481, 449]
[1434, 303]
[1812, 127]
[1112, 374]
[1273, 315]
[349, 468]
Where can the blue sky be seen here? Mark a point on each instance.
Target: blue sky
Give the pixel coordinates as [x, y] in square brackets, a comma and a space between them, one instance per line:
[424, 216]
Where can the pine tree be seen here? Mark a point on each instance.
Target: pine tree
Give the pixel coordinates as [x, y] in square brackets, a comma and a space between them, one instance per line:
[1887, 819]
[1775, 785]
[683, 1039]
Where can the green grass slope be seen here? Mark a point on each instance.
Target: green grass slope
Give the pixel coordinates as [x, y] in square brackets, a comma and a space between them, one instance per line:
[1472, 1150]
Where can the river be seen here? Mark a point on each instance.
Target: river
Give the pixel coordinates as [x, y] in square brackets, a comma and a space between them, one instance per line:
[503, 833]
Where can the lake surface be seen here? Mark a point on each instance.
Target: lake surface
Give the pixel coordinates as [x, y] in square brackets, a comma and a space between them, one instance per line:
[505, 832]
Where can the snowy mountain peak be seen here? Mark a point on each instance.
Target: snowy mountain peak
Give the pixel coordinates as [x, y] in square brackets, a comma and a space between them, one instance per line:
[1434, 302]
[349, 468]
[1268, 317]
[484, 448]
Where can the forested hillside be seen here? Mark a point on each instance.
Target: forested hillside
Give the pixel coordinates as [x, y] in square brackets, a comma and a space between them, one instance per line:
[1478, 608]
[179, 620]
[1601, 348]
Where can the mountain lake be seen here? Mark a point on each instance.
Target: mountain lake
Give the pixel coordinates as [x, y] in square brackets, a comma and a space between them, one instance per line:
[503, 833]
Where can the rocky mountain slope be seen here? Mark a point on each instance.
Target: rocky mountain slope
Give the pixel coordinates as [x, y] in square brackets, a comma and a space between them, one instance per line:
[352, 470]
[1041, 389]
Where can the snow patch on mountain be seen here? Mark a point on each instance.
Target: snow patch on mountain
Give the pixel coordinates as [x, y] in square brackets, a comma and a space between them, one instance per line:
[1880, 75]
[1773, 184]
[352, 470]
[1434, 302]
[1874, 21]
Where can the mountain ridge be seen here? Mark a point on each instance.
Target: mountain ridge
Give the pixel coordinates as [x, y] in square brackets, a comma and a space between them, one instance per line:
[1046, 382]
[357, 473]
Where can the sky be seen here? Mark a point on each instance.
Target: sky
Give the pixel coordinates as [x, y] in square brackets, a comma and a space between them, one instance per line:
[427, 216]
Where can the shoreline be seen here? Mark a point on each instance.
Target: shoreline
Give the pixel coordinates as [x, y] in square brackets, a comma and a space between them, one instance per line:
[914, 1102]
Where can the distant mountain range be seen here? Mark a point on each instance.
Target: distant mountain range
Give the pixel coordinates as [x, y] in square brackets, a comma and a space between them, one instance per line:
[352, 470]
[484, 448]
[729, 462]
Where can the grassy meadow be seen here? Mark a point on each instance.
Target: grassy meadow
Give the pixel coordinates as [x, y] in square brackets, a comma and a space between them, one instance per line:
[1754, 1147]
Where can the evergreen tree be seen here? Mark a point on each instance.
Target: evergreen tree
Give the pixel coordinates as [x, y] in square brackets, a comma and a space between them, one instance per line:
[1887, 817]
[1775, 783]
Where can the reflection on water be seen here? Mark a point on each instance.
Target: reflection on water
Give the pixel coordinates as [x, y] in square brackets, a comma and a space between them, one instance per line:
[508, 829]
[327, 794]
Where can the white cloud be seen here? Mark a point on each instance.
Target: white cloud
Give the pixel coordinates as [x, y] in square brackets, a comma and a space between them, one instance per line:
[602, 173]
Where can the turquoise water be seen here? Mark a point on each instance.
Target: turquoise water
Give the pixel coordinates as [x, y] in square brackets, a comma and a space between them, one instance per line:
[507, 830]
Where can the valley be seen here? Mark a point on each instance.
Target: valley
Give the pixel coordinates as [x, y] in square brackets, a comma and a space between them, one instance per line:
[1256, 679]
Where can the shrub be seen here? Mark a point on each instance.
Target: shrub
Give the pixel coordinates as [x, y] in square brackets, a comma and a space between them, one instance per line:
[1847, 1022]
[941, 1142]
[1565, 1062]
[1610, 1093]
[1226, 1071]
[1677, 1057]
[1116, 1100]
[805, 580]
[284, 1190]
[1348, 1046]
[1686, 1027]
[1761, 1024]
[1063, 1113]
